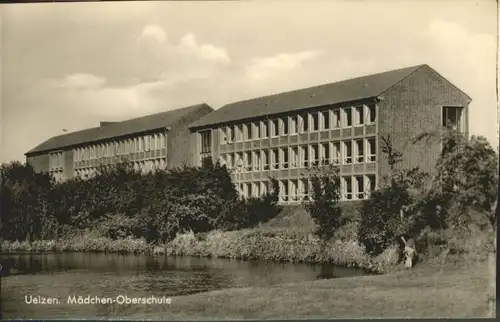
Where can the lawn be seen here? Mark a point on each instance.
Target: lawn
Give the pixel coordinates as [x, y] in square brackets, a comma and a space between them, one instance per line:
[426, 291]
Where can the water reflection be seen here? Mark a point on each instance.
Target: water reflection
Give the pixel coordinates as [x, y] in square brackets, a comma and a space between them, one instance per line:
[62, 275]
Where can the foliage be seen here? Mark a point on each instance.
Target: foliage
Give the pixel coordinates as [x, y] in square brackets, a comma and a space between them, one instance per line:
[122, 202]
[248, 213]
[324, 206]
[24, 203]
[467, 178]
[394, 210]
[465, 181]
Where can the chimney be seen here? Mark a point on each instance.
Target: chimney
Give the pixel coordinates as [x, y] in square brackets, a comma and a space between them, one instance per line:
[105, 123]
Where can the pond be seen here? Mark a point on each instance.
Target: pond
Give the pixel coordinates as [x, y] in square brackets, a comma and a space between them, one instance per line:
[32, 277]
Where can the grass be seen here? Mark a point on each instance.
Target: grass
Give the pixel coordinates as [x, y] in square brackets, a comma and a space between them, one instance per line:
[425, 292]
[286, 238]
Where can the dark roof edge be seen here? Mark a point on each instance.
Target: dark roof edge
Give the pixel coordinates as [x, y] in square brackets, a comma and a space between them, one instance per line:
[196, 127]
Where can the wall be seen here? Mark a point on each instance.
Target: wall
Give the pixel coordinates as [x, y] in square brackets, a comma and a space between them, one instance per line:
[413, 107]
[40, 163]
[68, 164]
[181, 145]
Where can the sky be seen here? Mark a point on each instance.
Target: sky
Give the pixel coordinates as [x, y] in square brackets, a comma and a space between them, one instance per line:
[68, 66]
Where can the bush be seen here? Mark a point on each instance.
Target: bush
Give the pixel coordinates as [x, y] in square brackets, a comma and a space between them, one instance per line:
[324, 206]
[381, 218]
[248, 213]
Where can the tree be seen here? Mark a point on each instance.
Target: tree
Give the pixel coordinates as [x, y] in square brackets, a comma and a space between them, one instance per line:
[324, 207]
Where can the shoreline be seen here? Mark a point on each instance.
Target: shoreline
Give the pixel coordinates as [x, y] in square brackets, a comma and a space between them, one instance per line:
[241, 245]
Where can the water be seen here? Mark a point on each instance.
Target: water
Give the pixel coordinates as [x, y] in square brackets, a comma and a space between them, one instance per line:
[109, 275]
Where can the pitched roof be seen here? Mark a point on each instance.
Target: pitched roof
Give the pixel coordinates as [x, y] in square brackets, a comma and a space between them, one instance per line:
[116, 129]
[328, 94]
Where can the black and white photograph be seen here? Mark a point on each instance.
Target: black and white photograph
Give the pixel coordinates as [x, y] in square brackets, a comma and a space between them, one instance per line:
[249, 160]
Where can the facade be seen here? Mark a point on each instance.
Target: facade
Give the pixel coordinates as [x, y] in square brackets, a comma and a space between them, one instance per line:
[151, 142]
[341, 123]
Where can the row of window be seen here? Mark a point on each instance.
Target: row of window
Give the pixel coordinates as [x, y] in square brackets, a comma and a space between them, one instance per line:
[302, 156]
[143, 166]
[301, 123]
[121, 147]
[56, 160]
[356, 187]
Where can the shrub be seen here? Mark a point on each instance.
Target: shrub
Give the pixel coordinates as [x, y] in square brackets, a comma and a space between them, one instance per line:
[248, 213]
[325, 195]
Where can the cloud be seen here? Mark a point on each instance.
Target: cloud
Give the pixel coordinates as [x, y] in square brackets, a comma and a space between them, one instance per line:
[470, 64]
[206, 52]
[80, 81]
[154, 32]
[263, 68]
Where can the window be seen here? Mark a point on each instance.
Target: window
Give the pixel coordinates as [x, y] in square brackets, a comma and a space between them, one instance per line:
[359, 115]
[229, 161]
[141, 144]
[230, 134]
[314, 154]
[246, 132]
[255, 189]
[371, 150]
[249, 131]
[347, 152]
[265, 129]
[206, 141]
[249, 190]
[294, 193]
[304, 189]
[256, 160]
[156, 143]
[275, 127]
[294, 157]
[264, 187]
[325, 117]
[245, 190]
[265, 160]
[284, 122]
[371, 113]
[360, 187]
[223, 135]
[247, 161]
[284, 158]
[256, 131]
[347, 188]
[284, 190]
[304, 156]
[360, 155]
[347, 117]
[146, 144]
[325, 153]
[452, 118]
[336, 153]
[238, 161]
[275, 159]
[238, 131]
[294, 124]
[304, 123]
[370, 185]
[336, 119]
[315, 121]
